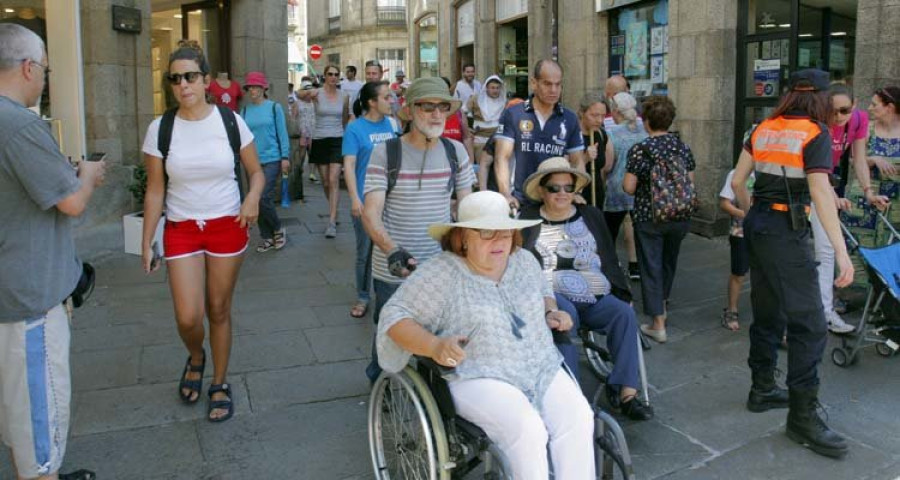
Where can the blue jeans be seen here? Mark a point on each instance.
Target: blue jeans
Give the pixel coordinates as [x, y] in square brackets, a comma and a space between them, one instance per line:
[363, 261]
[269, 222]
[657, 246]
[383, 293]
[615, 319]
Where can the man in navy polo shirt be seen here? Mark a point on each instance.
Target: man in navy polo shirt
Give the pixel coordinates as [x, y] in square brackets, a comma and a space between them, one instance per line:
[535, 130]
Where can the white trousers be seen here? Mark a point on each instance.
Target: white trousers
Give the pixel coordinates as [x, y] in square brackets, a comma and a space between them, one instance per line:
[825, 257]
[522, 432]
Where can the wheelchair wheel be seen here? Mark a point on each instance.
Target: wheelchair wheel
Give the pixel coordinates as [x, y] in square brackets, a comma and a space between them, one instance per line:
[600, 368]
[613, 458]
[884, 350]
[406, 433]
[843, 357]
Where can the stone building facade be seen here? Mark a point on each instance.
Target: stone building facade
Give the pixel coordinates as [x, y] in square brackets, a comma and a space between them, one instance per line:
[722, 62]
[106, 84]
[352, 32]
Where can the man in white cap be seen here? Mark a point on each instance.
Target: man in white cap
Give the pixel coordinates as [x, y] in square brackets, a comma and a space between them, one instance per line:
[399, 207]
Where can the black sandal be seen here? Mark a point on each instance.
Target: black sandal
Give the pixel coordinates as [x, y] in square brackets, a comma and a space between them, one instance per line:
[220, 404]
[193, 386]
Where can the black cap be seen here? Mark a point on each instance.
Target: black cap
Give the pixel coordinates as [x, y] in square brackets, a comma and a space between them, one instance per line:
[809, 80]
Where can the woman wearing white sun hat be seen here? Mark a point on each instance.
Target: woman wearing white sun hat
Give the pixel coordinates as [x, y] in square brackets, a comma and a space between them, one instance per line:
[483, 307]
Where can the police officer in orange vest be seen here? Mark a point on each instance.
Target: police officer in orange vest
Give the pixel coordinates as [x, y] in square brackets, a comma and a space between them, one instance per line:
[790, 153]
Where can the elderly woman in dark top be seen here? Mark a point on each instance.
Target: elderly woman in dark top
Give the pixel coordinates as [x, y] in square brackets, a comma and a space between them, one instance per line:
[579, 260]
[483, 307]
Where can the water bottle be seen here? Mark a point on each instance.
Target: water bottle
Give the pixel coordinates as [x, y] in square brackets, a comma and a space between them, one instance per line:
[285, 191]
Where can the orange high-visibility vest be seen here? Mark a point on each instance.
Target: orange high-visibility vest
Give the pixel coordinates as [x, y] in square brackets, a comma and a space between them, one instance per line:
[779, 142]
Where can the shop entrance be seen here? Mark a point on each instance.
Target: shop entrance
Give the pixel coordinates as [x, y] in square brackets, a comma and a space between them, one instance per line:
[777, 37]
[512, 56]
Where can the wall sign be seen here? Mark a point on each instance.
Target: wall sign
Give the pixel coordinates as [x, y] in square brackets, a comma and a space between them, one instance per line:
[604, 5]
[125, 19]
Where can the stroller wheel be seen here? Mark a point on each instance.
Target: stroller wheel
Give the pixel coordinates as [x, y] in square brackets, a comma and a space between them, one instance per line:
[884, 350]
[842, 357]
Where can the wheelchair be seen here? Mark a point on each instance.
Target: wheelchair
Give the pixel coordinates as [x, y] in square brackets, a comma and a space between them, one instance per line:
[414, 433]
[600, 362]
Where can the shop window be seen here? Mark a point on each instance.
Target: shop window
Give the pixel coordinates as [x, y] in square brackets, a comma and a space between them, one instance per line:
[391, 12]
[32, 16]
[639, 47]
[428, 46]
[334, 16]
[512, 56]
[768, 16]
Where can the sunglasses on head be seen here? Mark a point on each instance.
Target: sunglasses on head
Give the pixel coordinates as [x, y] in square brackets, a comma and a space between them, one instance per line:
[191, 77]
[884, 93]
[429, 107]
[843, 110]
[557, 188]
[492, 234]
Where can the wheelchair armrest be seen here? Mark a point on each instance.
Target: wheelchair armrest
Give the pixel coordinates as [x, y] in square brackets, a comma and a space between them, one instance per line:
[433, 374]
[593, 346]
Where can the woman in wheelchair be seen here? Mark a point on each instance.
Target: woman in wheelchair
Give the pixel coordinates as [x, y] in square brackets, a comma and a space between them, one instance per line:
[483, 308]
[579, 259]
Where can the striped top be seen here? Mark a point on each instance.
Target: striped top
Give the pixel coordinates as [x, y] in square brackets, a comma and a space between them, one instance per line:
[569, 257]
[419, 198]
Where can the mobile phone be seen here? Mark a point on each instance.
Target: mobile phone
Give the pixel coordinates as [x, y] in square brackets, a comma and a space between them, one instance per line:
[470, 336]
[157, 258]
[97, 157]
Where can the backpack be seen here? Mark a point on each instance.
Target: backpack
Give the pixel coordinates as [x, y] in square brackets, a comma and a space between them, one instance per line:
[673, 196]
[394, 159]
[164, 140]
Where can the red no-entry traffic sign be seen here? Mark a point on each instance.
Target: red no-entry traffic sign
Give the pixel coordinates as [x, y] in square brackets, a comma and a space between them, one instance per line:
[315, 52]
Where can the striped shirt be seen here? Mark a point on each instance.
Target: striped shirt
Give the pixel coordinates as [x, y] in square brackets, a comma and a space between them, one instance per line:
[569, 256]
[419, 198]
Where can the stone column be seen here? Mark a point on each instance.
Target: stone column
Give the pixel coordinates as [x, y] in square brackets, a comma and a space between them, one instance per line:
[259, 43]
[702, 77]
[118, 100]
[486, 38]
[540, 38]
[877, 42]
[583, 49]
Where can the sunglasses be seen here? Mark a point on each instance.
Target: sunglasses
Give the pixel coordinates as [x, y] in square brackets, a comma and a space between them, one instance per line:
[492, 234]
[843, 110]
[557, 188]
[429, 107]
[332, 74]
[191, 77]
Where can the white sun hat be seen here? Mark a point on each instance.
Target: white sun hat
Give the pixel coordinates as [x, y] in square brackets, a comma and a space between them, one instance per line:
[485, 210]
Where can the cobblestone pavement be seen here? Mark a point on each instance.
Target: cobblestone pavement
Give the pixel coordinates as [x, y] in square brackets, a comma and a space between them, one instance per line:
[301, 394]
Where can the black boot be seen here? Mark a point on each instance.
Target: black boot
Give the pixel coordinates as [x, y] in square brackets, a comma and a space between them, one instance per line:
[765, 394]
[805, 427]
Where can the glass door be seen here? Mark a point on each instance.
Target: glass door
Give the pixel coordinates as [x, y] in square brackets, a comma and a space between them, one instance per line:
[208, 22]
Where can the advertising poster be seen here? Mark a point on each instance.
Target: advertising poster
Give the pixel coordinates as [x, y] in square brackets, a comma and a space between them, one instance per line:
[636, 50]
[657, 69]
[656, 40]
[765, 77]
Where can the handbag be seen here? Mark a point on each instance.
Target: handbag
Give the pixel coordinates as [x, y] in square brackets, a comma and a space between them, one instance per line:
[85, 285]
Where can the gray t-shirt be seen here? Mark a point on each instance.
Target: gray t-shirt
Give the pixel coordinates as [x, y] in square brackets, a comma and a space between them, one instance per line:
[329, 115]
[38, 265]
[419, 198]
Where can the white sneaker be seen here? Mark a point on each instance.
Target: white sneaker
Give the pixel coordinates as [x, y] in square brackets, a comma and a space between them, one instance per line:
[837, 324]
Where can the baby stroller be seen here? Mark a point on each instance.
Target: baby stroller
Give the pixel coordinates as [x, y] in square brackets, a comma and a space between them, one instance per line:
[880, 321]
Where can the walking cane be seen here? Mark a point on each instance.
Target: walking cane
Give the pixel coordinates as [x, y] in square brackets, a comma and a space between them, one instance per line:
[594, 175]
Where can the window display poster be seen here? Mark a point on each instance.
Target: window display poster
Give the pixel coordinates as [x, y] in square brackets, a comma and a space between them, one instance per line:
[656, 40]
[765, 77]
[665, 39]
[767, 50]
[617, 45]
[657, 69]
[636, 49]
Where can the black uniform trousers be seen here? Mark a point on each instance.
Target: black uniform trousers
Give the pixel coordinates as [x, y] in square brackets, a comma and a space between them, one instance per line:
[785, 294]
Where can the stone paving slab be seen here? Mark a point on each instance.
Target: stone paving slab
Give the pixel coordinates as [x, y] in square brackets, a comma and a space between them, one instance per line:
[335, 343]
[104, 369]
[317, 383]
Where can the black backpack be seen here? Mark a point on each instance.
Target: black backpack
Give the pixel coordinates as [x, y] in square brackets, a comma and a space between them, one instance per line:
[395, 158]
[164, 140]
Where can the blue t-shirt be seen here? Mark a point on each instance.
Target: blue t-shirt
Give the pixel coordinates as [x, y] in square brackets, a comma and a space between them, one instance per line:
[269, 130]
[532, 144]
[360, 138]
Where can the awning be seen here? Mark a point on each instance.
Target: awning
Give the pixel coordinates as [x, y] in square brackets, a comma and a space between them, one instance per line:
[294, 55]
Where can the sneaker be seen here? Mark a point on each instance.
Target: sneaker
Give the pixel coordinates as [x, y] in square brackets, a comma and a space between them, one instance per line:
[313, 179]
[634, 273]
[837, 324]
[331, 231]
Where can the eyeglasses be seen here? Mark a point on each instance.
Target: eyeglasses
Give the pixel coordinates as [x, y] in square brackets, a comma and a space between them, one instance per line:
[557, 188]
[492, 234]
[429, 107]
[191, 77]
[39, 64]
[843, 110]
[333, 74]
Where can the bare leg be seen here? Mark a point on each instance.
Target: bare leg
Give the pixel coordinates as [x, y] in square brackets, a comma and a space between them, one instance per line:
[220, 280]
[334, 179]
[734, 291]
[186, 283]
[323, 177]
[628, 228]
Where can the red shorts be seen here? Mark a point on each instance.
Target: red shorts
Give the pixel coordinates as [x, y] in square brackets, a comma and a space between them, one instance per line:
[219, 237]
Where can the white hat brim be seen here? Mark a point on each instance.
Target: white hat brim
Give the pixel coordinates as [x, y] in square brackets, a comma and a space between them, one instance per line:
[438, 230]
